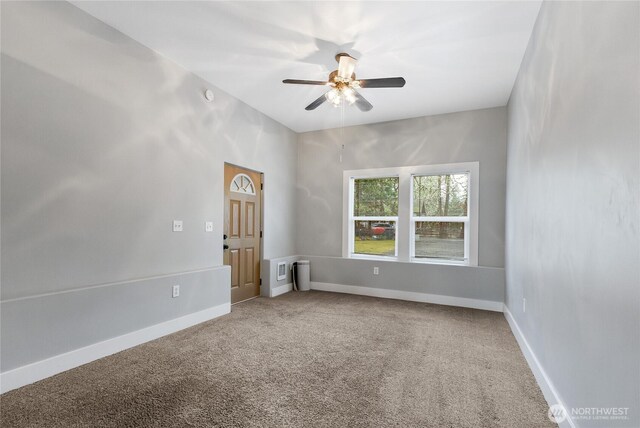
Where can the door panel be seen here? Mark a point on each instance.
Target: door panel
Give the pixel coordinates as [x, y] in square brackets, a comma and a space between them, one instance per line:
[234, 220]
[234, 262]
[250, 219]
[249, 266]
[242, 222]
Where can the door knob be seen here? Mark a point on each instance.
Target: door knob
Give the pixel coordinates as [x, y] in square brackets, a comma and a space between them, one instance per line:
[224, 236]
[225, 247]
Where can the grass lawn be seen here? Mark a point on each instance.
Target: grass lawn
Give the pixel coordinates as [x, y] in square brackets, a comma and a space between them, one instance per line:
[379, 247]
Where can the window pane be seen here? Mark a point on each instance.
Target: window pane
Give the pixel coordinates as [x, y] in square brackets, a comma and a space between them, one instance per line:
[375, 197]
[375, 237]
[440, 195]
[440, 240]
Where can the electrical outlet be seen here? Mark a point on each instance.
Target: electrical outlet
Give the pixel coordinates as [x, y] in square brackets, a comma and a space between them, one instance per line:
[524, 305]
[376, 270]
[176, 291]
[177, 225]
[208, 226]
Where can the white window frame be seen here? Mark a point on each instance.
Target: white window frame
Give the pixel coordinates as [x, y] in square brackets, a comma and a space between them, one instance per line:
[405, 221]
[352, 219]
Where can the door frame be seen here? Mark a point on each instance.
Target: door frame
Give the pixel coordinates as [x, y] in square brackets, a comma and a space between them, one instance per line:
[262, 208]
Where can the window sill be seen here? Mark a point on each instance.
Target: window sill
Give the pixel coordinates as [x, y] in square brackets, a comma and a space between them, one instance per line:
[372, 257]
[413, 260]
[440, 262]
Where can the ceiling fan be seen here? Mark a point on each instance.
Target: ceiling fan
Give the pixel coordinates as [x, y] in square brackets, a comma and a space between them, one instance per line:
[344, 85]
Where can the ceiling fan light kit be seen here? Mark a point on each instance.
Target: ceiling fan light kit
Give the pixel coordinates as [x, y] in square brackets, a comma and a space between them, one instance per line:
[344, 85]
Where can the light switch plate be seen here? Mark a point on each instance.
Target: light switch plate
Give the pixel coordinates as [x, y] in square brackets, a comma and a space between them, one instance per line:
[177, 225]
[175, 291]
[376, 270]
[208, 226]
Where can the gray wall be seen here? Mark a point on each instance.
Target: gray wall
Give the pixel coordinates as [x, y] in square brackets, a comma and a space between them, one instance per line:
[34, 329]
[104, 143]
[572, 203]
[467, 282]
[478, 135]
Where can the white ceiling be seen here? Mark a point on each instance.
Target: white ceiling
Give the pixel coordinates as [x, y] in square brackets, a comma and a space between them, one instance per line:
[455, 56]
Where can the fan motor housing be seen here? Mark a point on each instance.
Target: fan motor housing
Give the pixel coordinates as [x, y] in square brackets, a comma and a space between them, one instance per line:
[334, 74]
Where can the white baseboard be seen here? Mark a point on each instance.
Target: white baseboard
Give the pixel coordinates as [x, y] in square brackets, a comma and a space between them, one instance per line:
[548, 390]
[281, 289]
[39, 370]
[411, 296]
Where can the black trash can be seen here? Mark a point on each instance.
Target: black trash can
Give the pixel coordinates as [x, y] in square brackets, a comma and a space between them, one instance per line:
[301, 275]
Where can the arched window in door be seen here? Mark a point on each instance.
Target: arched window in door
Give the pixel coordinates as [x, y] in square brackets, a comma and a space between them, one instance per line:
[241, 183]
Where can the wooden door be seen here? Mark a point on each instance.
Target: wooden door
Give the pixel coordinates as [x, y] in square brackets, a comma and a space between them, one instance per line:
[242, 226]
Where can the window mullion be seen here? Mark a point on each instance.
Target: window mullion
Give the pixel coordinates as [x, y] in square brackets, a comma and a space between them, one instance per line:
[403, 232]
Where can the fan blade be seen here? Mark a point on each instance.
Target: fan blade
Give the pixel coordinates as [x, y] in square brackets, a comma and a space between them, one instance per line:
[385, 82]
[304, 82]
[346, 66]
[362, 103]
[317, 102]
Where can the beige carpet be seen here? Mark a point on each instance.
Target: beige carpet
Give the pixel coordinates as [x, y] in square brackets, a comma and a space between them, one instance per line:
[302, 360]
